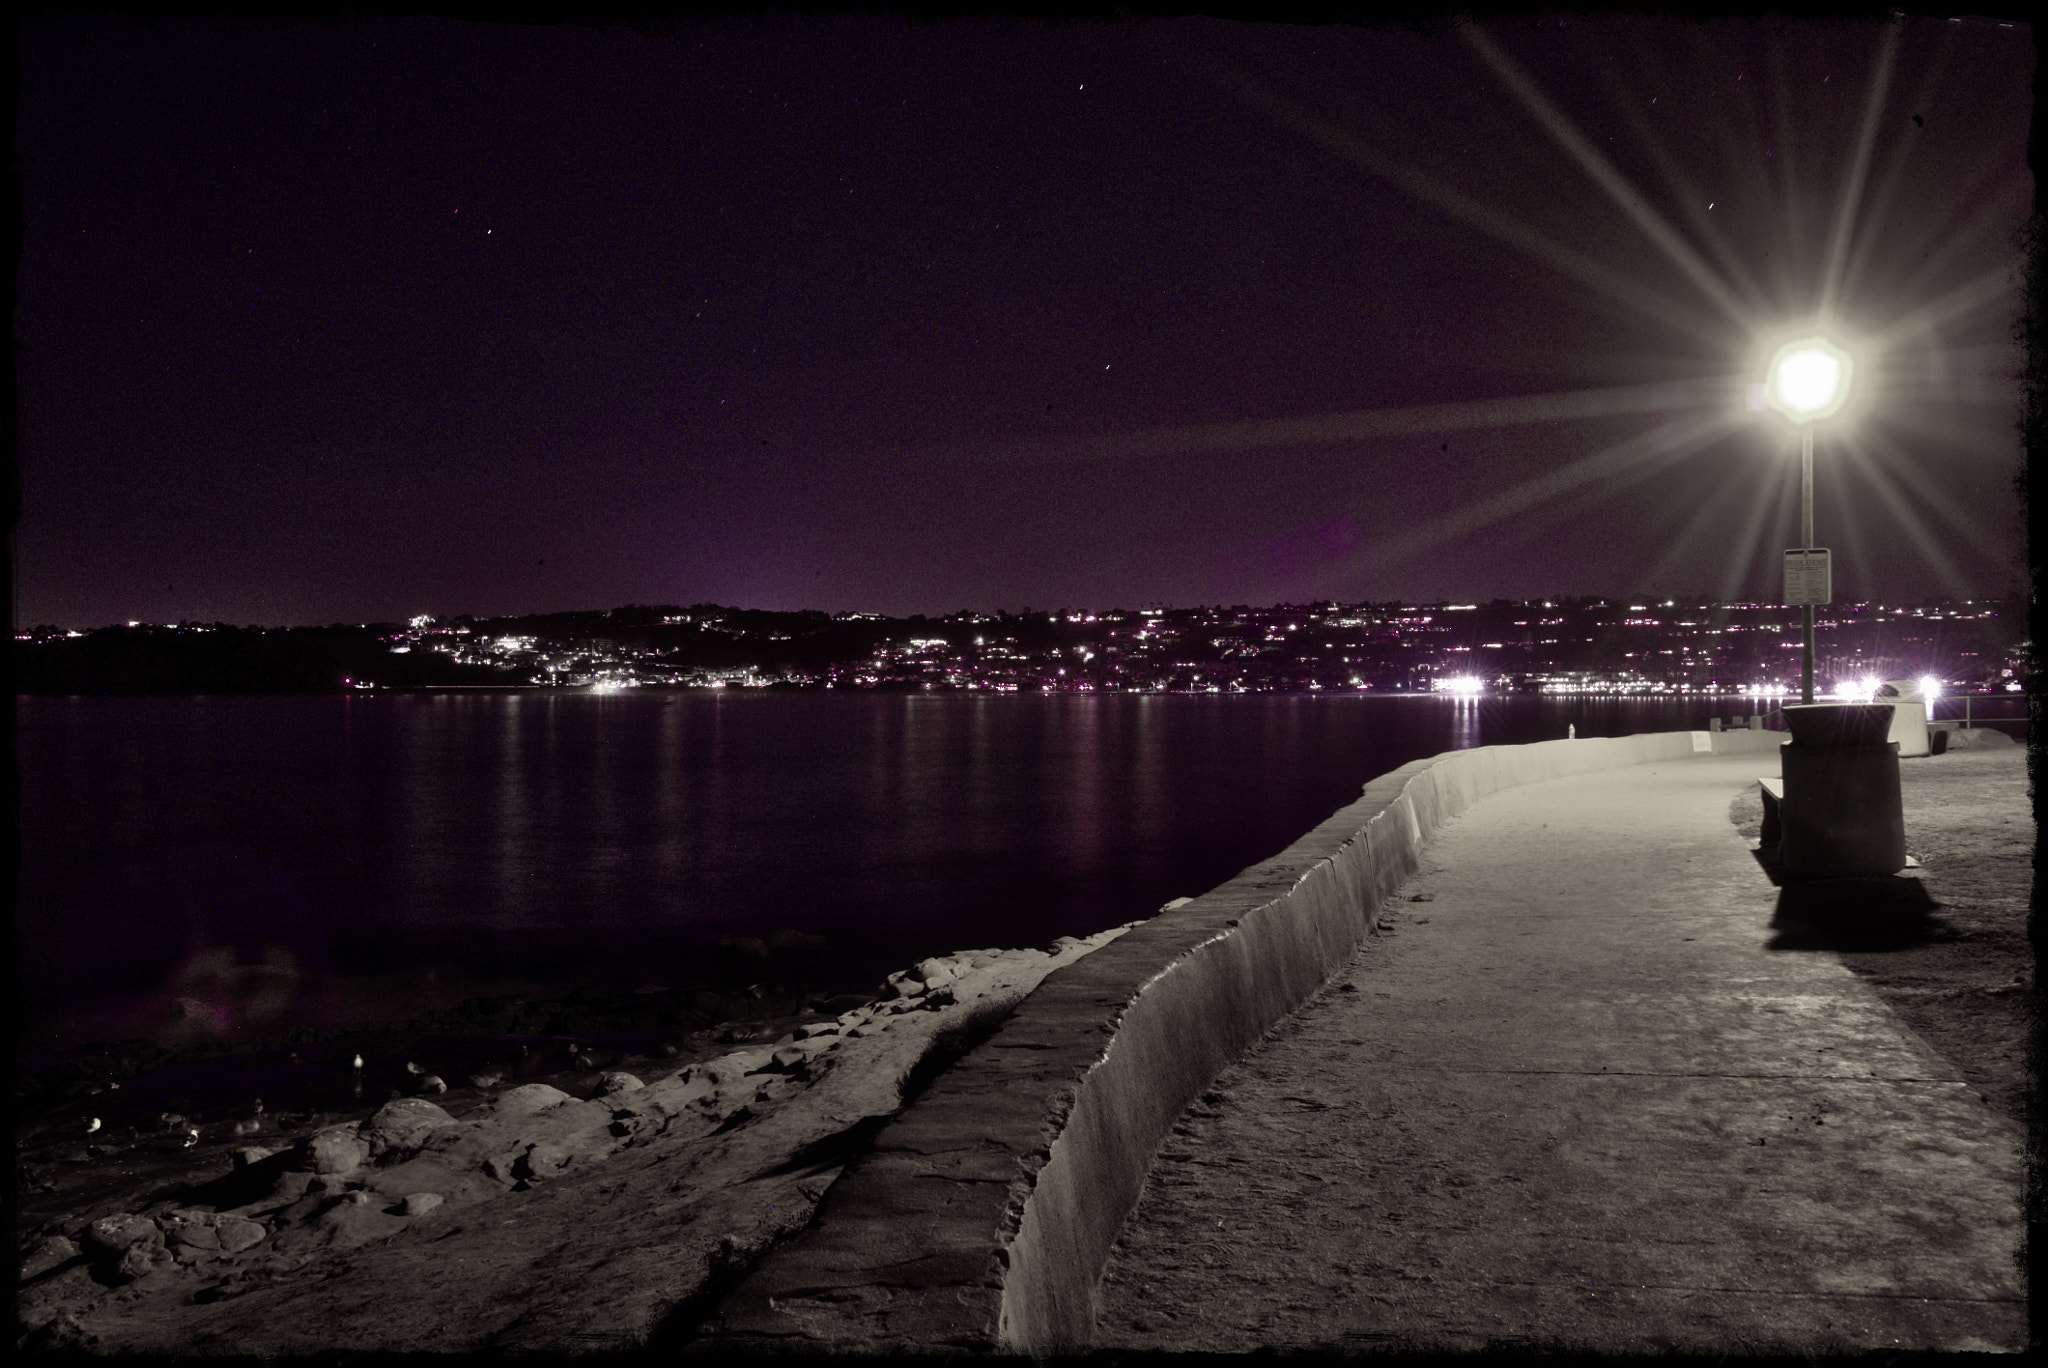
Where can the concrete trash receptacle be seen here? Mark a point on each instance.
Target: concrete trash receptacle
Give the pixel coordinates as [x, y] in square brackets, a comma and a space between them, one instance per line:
[1842, 814]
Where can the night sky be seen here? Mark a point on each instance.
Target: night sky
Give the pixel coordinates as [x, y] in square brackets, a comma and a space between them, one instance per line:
[351, 321]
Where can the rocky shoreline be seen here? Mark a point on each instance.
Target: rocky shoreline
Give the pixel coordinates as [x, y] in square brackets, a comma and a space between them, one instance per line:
[643, 1164]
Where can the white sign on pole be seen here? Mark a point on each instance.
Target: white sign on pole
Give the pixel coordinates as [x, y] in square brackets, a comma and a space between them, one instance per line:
[1809, 578]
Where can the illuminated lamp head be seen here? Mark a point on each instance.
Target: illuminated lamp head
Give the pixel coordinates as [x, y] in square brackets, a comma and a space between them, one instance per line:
[1808, 380]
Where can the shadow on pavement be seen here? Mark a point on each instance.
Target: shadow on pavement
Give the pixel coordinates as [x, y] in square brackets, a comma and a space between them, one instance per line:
[1876, 913]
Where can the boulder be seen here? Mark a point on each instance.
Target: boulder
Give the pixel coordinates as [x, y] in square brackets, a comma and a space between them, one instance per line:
[420, 1203]
[132, 1246]
[790, 1059]
[237, 1233]
[935, 971]
[401, 1126]
[112, 1236]
[192, 1229]
[49, 1253]
[527, 1099]
[614, 1083]
[338, 1149]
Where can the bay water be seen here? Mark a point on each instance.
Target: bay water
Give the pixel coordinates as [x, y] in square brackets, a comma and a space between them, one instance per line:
[255, 863]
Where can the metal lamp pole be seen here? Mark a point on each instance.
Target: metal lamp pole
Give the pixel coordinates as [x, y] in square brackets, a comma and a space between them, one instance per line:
[1806, 543]
[1807, 380]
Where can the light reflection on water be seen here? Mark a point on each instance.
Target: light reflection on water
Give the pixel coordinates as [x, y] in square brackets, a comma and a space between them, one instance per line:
[173, 847]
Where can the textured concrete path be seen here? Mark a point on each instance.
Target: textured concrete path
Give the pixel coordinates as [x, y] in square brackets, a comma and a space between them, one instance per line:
[1573, 1098]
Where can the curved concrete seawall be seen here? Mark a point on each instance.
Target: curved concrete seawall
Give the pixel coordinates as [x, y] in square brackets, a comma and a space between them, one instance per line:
[983, 1215]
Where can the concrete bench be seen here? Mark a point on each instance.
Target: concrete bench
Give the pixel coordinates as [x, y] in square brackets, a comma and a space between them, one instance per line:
[1774, 794]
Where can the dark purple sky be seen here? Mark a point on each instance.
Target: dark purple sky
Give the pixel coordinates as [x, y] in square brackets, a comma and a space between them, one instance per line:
[351, 321]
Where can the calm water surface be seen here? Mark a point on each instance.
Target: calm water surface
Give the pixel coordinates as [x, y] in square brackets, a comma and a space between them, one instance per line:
[297, 860]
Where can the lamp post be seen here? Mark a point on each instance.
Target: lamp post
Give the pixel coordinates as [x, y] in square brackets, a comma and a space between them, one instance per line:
[1808, 381]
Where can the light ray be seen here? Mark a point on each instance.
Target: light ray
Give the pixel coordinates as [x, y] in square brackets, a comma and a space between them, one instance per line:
[1632, 294]
[1888, 457]
[1879, 481]
[1955, 307]
[1837, 255]
[1700, 519]
[1260, 433]
[1611, 464]
[1749, 538]
[1726, 259]
[1603, 174]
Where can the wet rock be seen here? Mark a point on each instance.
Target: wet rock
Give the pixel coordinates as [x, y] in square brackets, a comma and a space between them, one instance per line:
[614, 1083]
[420, 1203]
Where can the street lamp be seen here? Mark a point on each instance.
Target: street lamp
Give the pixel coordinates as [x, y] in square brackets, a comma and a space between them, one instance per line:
[1808, 381]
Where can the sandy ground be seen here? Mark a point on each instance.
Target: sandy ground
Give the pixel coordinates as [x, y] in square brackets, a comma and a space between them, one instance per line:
[600, 1206]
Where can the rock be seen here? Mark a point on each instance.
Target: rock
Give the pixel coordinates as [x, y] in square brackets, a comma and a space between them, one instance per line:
[489, 1078]
[815, 1029]
[140, 1261]
[291, 1185]
[132, 1246]
[527, 1099]
[786, 940]
[338, 1149]
[903, 984]
[420, 1203]
[842, 1003]
[614, 1083]
[194, 1229]
[934, 971]
[402, 1126]
[49, 1253]
[252, 1154]
[743, 947]
[1979, 738]
[668, 1049]
[237, 1233]
[113, 1236]
[432, 1083]
[790, 1060]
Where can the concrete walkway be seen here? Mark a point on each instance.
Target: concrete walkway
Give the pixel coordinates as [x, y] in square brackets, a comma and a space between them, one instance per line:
[1571, 1098]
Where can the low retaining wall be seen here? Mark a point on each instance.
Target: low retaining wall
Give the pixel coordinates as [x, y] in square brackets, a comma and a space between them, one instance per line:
[983, 1214]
